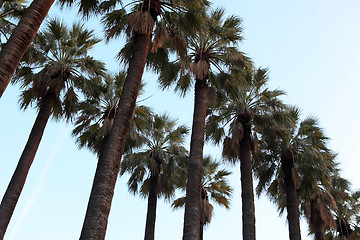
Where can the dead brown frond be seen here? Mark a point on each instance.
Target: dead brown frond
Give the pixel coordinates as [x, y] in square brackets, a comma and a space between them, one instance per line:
[331, 200]
[140, 22]
[237, 132]
[231, 148]
[200, 69]
[320, 212]
[211, 96]
[109, 117]
[206, 211]
[161, 35]
[255, 144]
[58, 75]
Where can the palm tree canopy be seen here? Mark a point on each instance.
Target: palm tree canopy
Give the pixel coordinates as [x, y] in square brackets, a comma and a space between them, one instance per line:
[161, 154]
[347, 210]
[211, 50]
[154, 16]
[163, 19]
[214, 182]
[307, 145]
[61, 67]
[250, 103]
[97, 113]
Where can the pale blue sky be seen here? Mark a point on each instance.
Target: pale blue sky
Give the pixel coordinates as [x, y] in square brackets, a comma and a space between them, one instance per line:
[312, 51]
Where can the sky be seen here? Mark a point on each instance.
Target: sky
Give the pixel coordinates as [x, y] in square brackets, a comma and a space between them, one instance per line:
[312, 51]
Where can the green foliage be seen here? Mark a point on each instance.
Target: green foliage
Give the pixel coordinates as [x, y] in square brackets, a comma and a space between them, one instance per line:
[97, 112]
[161, 154]
[313, 162]
[214, 181]
[247, 102]
[61, 54]
[10, 12]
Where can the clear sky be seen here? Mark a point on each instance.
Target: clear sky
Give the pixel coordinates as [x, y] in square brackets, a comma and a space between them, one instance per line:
[312, 51]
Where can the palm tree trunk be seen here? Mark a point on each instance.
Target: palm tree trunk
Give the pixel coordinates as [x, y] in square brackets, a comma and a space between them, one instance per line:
[247, 192]
[319, 231]
[201, 237]
[291, 198]
[151, 213]
[193, 187]
[20, 40]
[108, 166]
[18, 179]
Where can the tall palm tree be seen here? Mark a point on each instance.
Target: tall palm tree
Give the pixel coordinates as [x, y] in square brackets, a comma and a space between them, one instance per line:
[296, 157]
[153, 168]
[246, 110]
[65, 68]
[347, 212]
[139, 23]
[320, 215]
[210, 51]
[214, 183]
[20, 40]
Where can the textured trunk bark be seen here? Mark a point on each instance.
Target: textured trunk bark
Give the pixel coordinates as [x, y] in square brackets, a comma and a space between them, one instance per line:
[108, 166]
[319, 231]
[247, 192]
[20, 40]
[151, 213]
[291, 199]
[193, 187]
[18, 179]
[201, 236]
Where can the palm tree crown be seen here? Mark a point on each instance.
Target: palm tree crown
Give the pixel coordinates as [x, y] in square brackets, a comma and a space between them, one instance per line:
[97, 114]
[209, 50]
[65, 67]
[160, 155]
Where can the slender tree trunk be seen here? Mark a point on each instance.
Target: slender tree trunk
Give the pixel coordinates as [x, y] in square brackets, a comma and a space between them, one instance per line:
[201, 237]
[108, 166]
[151, 213]
[21, 39]
[292, 205]
[319, 231]
[247, 192]
[193, 186]
[18, 179]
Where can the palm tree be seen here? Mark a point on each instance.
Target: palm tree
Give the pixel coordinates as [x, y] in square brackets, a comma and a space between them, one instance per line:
[296, 157]
[65, 68]
[213, 182]
[20, 40]
[317, 203]
[347, 210]
[246, 110]
[153, 168]
[212, 47]
[140, 24]
[320, 213]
